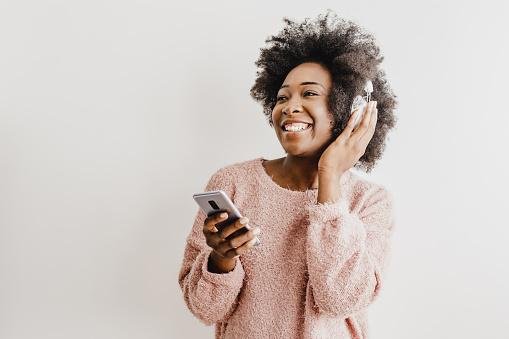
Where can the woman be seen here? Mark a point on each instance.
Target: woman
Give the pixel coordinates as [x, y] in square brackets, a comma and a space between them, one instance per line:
[325, 232]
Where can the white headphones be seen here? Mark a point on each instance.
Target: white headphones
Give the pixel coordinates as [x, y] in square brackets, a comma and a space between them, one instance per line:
[360, 102]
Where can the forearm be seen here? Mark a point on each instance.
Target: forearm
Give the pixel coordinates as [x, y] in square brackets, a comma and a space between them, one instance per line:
[347, 252]
[209, 296]
[329, 187]
[340, 269]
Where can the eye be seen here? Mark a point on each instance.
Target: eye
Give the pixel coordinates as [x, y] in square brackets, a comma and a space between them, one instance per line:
[281, 97]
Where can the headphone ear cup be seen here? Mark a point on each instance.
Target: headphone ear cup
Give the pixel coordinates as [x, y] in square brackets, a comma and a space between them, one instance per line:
[359, 103]
[358, 106]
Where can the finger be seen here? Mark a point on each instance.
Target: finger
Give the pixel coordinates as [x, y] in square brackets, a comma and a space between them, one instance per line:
[209, 225]
[231, 243]
[364, 123]
[347, 131]
[237, 225]
[235, 252]
[365, 139]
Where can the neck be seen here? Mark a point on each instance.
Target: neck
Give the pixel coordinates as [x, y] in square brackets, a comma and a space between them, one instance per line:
[301, 171]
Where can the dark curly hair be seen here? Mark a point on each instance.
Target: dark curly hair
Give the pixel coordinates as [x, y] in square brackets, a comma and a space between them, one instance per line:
[349, 53]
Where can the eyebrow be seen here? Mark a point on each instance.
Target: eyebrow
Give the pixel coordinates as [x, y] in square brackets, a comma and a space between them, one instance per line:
[306, 83]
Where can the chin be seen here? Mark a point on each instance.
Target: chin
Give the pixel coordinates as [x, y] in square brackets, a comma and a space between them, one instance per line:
[300, 152]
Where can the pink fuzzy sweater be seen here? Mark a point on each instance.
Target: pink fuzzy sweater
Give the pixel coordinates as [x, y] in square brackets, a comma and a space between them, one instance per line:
[317, 269]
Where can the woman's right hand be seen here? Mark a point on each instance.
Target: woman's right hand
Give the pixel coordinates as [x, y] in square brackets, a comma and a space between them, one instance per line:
[226, 249]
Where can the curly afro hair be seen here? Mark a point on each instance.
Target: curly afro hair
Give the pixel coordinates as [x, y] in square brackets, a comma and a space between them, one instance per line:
[349, 53]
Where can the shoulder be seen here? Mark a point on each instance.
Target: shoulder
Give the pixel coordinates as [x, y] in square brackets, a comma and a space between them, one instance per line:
[372, 201]
[368, 190]
[230, 174]
[237, 168]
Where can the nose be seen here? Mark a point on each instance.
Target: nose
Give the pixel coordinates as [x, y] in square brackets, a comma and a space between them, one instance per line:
[293, 105]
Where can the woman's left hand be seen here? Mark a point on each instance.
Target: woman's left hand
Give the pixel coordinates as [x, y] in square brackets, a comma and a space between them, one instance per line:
[344, 152]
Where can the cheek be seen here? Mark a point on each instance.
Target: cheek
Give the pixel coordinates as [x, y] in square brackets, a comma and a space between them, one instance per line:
[274, 115]
[324, 128]
[324, 118]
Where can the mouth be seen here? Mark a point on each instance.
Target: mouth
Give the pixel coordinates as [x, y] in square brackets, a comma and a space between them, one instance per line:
[296, 131]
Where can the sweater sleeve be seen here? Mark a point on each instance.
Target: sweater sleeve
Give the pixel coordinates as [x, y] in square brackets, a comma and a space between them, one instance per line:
[347, 253]
[211, 297]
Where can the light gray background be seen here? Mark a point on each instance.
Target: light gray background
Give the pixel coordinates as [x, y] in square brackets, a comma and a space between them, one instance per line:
[113, 113]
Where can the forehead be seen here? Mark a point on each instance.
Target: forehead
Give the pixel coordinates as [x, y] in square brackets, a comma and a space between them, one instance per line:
[308, 71]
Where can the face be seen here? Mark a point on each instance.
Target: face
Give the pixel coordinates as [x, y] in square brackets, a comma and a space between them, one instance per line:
[303, 97]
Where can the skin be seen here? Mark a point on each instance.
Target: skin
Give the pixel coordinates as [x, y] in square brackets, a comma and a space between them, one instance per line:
[225, 248]
[313, 158]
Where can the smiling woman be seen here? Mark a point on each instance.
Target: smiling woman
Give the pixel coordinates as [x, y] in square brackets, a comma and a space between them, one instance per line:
[325, 232]
[348, 55]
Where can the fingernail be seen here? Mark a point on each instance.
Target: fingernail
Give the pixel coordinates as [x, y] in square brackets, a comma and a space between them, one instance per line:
[224, 215]
[256, 231]
[244, 220]
[251, 226]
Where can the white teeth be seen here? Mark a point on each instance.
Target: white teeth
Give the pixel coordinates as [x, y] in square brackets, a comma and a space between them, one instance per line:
[295, 127]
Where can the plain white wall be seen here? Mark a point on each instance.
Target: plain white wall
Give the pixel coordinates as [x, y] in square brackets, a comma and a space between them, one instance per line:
[113, 113]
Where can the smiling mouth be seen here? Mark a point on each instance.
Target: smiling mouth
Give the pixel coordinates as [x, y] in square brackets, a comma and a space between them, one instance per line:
[296, 131]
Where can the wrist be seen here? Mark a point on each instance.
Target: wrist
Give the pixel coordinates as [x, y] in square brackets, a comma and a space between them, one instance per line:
[219, 264]
[327, 175]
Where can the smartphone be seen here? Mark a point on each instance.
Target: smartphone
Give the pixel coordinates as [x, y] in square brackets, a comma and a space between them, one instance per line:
[213, 202]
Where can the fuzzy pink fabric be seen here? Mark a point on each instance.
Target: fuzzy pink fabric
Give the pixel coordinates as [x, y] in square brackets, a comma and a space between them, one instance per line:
[317, 269]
